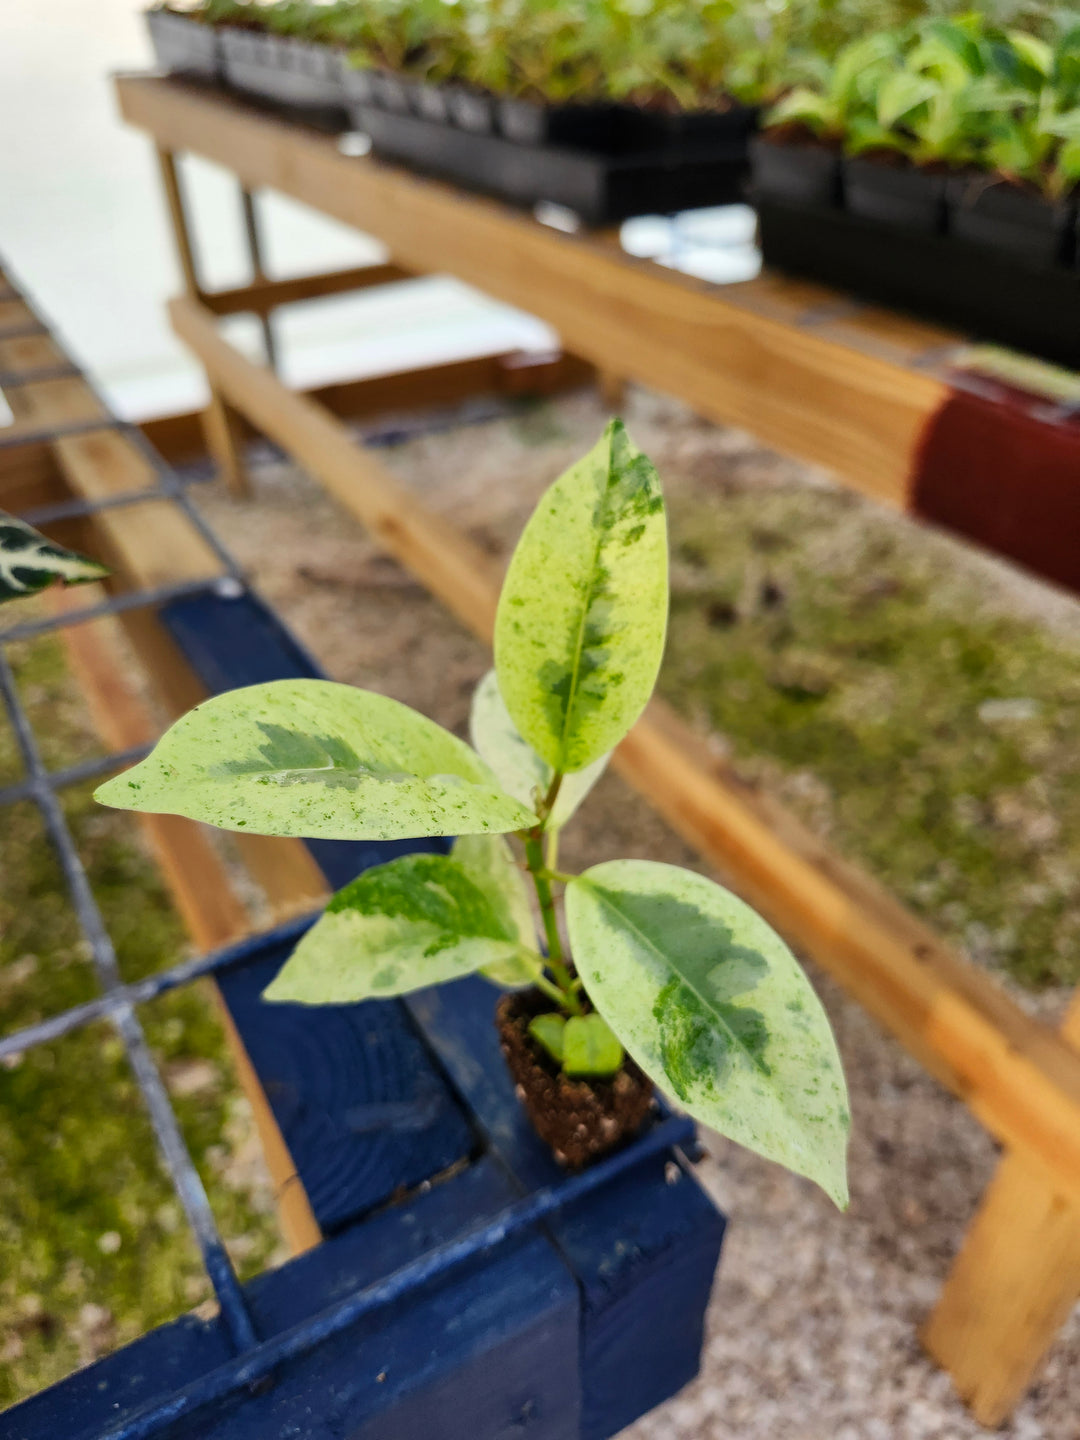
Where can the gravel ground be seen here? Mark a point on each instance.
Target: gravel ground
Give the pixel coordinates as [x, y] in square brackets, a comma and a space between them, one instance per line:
[812, 1330]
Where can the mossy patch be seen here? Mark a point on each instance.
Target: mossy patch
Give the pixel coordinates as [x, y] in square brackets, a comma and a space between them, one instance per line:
[94, 1248]
[927, 732]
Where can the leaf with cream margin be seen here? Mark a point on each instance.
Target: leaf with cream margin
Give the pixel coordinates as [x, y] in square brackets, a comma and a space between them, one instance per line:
[518, 768]
[417, 921]
[579, 631]
[316, 759]
[489, 863]
[711, 1003]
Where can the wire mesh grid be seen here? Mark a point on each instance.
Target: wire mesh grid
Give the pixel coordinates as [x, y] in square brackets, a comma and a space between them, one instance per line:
[255, 1358]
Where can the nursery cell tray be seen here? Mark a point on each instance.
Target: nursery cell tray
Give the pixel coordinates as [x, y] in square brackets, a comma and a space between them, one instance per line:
[601, 189]
[989, 296]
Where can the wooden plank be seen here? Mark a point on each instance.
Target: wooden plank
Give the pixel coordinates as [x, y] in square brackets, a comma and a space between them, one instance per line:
[805, 394]
[30, 352]
[29, 476]
[262, 296]
[41, 404]
[197, 881]
[1013, 1285]
[492, 1350]
[456, 570]
[150, 544]
[106, 463]
[15, 314]
[1019, 1078]
[181, 438]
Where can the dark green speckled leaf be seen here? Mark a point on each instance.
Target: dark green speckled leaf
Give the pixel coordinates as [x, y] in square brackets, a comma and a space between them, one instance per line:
[319, 760]
[416, 921]
[29, 562]
[579, 632]
[712, 1004]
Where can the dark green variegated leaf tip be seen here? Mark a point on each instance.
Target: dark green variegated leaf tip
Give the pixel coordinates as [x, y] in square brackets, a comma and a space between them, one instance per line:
[29, 562]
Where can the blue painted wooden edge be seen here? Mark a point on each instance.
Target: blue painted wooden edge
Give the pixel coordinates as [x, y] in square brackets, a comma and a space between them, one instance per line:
[644, 1251]
[486, 1352]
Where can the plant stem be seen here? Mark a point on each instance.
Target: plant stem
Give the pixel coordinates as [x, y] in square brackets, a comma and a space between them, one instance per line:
[556, 962]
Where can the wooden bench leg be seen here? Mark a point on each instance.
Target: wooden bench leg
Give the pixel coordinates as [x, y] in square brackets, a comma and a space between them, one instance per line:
[220, 424]
[1012, 1286]
[222, 429]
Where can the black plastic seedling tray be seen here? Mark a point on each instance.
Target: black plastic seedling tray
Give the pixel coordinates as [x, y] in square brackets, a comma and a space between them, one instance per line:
[990, 296]
[289, 73]
[184, 46]
[601, 189]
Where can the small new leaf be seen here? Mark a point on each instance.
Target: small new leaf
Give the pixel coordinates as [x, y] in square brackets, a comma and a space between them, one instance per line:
[579, 631]
[416, 921]
[319, 760]
[547, 1031]
[590, 1048]
[29, 562]
[711, 1003]
[517, 767]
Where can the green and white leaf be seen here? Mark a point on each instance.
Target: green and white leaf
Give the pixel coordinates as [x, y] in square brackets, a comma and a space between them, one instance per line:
[518, 768]
[711, 1003]
[316, 759]
[590, 1047]
[416, 921]
[29, 562]
[489, 863]
[580, 627]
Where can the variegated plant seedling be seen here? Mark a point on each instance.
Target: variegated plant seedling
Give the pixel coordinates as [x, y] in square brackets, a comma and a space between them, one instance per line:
[666, 965]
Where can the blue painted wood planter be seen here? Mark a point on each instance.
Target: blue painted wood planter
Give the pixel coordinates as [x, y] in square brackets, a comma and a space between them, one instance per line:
[466, 1289]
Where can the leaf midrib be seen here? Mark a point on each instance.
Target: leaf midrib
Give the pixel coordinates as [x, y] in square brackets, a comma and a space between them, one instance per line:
[580, 641]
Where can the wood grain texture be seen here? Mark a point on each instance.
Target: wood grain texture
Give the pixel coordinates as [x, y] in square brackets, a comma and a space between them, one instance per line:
[261, 295]
[490, 1352]
[106, 463]
[1020, 1078]
[1013, 1285]
[181, 438]
[829, 401]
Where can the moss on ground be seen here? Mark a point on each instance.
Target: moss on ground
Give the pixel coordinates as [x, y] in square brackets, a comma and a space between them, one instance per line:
[94, 1248]
[930, 735]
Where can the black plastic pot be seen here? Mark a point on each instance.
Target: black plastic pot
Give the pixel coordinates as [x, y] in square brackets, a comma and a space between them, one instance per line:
[430, 102]
[989, 294]
[600, 189]
[471, 110]
[796, 173]
[357, 84]
[292, 73]
[904, 196]
[738, 122]
[1004, 217]
[183, 46]
[392, 92]
[592, 127]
